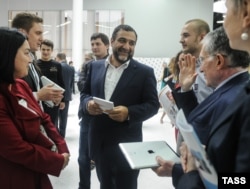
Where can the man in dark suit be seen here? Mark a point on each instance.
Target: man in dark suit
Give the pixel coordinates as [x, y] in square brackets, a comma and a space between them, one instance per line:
[225, 70]
[31, 26]
[68, 79]
[132, 87]
[100, 50]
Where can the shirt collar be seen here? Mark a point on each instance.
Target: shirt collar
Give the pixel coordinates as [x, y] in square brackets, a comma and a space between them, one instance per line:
[124, 66]
[229, 78]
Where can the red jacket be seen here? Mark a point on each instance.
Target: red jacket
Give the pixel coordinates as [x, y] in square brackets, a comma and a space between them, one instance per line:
[25, 155]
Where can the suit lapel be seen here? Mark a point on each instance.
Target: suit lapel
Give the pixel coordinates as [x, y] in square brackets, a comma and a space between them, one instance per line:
[101, 73]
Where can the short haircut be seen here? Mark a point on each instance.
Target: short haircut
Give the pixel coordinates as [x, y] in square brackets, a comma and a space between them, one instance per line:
[125, 28]
[218, 42]
[104, 38]
[61, 56]
[25, 21]
[11, 41]
[48, 43]
[200, 26]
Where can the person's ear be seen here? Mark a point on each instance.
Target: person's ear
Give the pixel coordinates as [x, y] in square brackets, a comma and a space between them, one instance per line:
[23, 31]
[202, 36]
[246, 14]
[221, 63]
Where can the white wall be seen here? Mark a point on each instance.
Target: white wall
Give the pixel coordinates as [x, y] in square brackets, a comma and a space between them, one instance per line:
[157, 22]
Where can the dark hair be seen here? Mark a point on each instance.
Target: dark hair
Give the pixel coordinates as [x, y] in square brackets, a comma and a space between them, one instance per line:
[61, 56]
[25, 21]
[11, 41]
[125, 28]
[48, 43]
[218, 42]
[104, 38]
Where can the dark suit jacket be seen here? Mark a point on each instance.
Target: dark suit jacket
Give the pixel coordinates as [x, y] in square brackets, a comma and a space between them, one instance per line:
[228, 140]
[30, 78]
[68, 74]
[202, 116]
[136, 90]
[25, 156]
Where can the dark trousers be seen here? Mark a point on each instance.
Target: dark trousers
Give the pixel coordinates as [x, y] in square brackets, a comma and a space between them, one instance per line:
[83, 157]
[63, 118]
[113, 170]
[53, 112]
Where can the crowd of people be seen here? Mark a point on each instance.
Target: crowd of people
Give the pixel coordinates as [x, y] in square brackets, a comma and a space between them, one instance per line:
[208, 77]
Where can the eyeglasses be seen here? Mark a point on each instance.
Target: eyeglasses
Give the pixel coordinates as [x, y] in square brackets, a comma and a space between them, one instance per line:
[202, 59]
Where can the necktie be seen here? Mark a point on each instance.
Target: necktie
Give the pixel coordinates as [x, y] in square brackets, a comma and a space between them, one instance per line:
[35, 75]
[36, 79]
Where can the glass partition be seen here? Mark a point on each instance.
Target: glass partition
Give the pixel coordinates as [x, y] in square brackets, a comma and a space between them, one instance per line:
[58, 26]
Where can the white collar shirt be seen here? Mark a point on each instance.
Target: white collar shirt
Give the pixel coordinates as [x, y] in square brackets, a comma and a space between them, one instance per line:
[113, 75]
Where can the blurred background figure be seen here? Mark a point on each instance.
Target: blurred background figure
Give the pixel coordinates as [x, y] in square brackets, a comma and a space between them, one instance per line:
[68, 79]
[71, 63]
[166, 79]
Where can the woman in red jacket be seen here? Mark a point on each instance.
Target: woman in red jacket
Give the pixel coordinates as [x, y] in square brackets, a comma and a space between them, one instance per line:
[30, 146]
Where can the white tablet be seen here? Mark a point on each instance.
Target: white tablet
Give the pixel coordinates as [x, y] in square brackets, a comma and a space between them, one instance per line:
[47, 81]
[141, 155]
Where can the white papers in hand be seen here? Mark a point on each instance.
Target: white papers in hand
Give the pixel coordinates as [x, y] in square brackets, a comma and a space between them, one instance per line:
[104, 104]
[205, 168]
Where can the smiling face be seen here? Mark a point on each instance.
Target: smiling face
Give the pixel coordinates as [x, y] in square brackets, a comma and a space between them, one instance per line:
[22, 60]
[123, 46]
[46, 52]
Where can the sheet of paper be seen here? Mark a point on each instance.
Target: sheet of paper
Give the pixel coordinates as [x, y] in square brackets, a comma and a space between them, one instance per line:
[205, 168]
[104, 104]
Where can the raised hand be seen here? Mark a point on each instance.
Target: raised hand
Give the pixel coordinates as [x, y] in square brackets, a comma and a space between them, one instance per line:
[188, 73]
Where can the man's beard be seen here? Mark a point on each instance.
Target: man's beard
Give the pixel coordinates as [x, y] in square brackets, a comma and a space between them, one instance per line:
[122, 61]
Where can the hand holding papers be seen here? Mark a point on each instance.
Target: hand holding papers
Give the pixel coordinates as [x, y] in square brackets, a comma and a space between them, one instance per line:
[47, 81]
[206, 170]
[104, 104]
